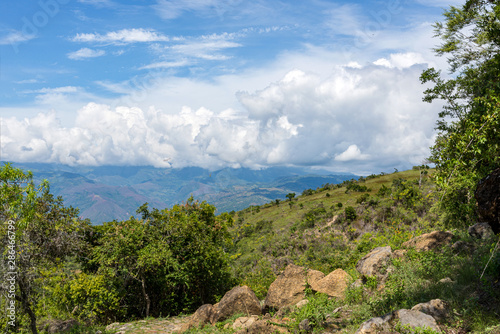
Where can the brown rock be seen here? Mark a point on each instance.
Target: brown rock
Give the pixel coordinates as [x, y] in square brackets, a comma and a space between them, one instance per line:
[488, 200]
[288, 289]
[245, 322]
[199, 318]
[334, 284]
[240, 299]
[415, 318]
[372, 263]
[430, 241]
[436, 308]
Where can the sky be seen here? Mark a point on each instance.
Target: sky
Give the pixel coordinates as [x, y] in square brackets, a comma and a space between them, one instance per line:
[218, 83]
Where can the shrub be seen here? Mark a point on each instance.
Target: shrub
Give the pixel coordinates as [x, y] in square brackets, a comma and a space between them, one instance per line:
[350, 213]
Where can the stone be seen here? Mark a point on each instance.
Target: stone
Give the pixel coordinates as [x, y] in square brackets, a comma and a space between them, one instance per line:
[302, 303]
[61, 326]
[304, 325]
[240, 299]
[487, 196]
[461, 246]
[288, 289]
[387, 323]
[430, 241]
[376, 325]
[199, 318]
[334, 284]
[374, 262]
[245, 322]
[436, 308]
[399, 253]
[446, 280]
[262, 327]
[481, 231]
[414, 318]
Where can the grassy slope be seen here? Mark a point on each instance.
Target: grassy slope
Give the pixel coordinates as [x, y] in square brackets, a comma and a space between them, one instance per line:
[313, 232]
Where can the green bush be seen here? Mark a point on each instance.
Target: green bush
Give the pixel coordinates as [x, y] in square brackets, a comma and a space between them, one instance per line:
[350, 213]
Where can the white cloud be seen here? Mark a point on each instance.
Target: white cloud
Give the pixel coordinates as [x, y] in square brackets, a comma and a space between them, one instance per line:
[16, 37]
[123, 36]
[352, 153]
[361, 119]
[85, 53]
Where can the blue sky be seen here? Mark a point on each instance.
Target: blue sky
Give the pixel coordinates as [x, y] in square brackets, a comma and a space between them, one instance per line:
[210, 83]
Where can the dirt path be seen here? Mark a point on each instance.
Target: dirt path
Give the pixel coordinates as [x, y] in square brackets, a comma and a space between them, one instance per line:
[149, 326]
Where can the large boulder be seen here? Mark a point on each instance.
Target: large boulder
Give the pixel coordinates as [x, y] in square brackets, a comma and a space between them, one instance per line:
[430, 241]
[488, 200]
[61, 326]
[334, 284]
[199, 318]
[240, 299]
[288, 289]
[481, 231]
[374, 262]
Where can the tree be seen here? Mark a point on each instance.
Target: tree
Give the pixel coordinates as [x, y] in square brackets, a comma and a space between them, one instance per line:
[468, 144]
[174, 259]
[37, 232]
[290, 196]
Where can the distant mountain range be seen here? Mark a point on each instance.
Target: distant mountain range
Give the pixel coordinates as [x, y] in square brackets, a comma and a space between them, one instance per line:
[109, 193]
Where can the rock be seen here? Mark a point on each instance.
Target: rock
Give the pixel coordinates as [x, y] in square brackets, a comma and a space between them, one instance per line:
[488, 200]
[199, 318]
[302, 303]
[304, 325]
[436, 308]
[288, 289]
[372, 263]
[245, 322]
[399, 253]
[415, 318]
[386, 323]
[61, 326]
[240, 299]
[445, 280]
[262, 327]
[376, 325]
[429, 241]
[481, 231]
[334, 284]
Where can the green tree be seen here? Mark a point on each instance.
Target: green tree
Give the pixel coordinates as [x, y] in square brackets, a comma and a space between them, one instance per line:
[290, 196]
[169, 261]
[44, 232]
[468, 142]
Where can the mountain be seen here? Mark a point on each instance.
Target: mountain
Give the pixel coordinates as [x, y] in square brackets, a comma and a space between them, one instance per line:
[107, 193]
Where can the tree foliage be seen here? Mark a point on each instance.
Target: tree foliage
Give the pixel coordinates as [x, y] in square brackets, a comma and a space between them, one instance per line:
[468, 143]
[45, 233]
[170, 261]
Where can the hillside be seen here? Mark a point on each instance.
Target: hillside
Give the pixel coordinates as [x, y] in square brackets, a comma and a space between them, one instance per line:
[109, 193]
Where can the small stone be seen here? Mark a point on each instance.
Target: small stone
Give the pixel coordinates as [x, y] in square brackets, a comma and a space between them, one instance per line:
[305, 326]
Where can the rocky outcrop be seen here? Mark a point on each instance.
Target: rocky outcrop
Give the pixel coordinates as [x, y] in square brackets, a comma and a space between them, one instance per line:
[403, 317]
[430, 241]
[488, 200]
[373, 263]
[288, 289]
[481, 231]
[240, 299]
[334, 284]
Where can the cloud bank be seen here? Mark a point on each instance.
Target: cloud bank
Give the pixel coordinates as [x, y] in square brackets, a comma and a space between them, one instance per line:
[358, 118]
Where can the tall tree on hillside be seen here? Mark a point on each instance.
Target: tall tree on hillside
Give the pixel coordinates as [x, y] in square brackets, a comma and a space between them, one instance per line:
[468, 143]
[37, 232]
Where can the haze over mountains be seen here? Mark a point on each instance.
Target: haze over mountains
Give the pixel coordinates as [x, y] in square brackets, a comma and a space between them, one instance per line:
[106, 193]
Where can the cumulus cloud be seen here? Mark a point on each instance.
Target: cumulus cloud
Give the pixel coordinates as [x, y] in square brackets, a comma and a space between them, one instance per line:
[15, 37]
[85, 53]
[358, 118]
[124, 36]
